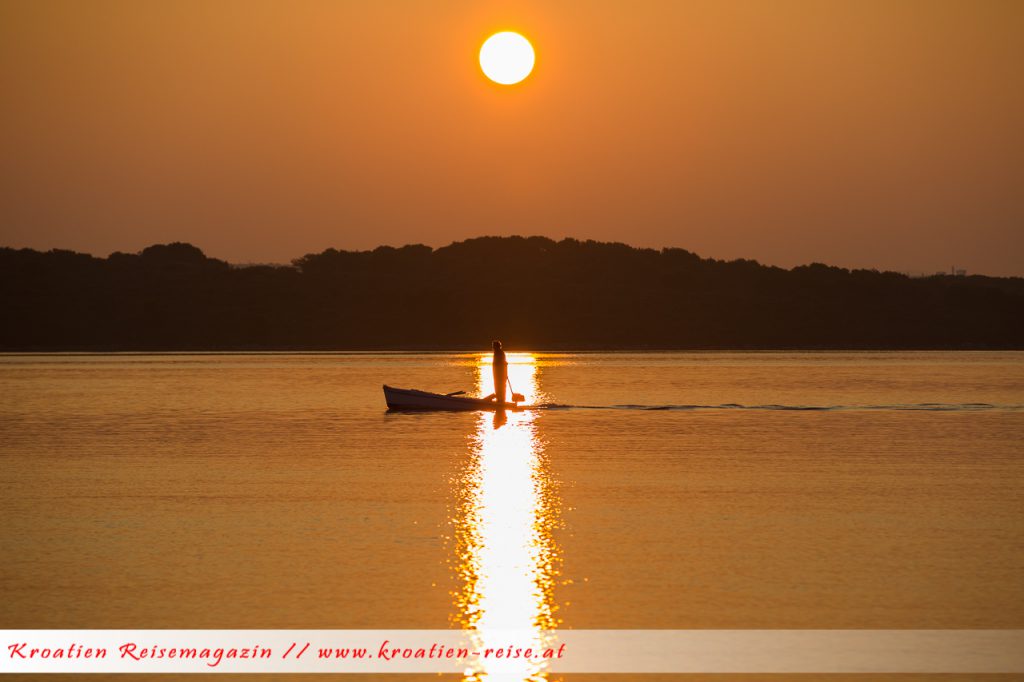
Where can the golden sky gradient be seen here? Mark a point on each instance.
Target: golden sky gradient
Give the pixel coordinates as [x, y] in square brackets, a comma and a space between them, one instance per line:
[865, 133]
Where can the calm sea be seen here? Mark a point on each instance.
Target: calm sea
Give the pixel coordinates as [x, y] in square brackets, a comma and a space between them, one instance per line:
[661, 490]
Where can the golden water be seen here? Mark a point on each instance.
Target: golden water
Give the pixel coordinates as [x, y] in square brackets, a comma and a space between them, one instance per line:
[274, 491]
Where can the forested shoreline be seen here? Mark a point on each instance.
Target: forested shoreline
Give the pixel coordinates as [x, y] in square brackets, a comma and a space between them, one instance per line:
[532, 292]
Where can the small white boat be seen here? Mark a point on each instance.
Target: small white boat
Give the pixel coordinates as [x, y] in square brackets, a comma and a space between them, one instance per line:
[411, 399]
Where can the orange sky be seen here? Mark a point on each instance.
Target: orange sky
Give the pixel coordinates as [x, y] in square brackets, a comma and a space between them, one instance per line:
[869, 133]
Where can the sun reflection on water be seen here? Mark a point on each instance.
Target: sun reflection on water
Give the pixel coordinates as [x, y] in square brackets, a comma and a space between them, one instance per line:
[507, 559]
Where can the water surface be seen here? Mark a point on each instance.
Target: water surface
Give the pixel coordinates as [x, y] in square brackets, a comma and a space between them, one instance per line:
[661, 490]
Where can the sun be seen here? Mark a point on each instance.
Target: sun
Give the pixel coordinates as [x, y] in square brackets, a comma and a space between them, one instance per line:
[506, 58]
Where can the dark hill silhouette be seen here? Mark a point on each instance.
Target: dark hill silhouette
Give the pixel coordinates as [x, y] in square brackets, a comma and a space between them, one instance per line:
[566, 294]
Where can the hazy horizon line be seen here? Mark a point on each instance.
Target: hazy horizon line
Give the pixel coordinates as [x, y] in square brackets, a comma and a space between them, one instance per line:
[953, 270]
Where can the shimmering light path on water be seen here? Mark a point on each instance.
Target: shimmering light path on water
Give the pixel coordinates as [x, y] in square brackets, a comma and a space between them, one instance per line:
[506, 517]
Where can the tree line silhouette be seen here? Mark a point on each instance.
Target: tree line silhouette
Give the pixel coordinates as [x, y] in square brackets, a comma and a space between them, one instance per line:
[532, 292]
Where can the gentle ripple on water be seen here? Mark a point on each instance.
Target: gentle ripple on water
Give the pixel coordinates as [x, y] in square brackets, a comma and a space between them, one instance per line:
[659, 490]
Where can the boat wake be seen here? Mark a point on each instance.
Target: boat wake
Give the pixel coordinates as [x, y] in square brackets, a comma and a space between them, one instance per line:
[914, 407]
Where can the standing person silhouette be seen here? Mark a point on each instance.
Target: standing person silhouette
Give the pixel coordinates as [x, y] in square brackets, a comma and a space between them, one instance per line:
[500, 368]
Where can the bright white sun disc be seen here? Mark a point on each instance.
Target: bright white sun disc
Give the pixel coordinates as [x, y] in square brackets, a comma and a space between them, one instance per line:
[506, 58]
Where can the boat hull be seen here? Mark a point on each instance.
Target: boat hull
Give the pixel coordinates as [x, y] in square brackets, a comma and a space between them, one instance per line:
[409, 399]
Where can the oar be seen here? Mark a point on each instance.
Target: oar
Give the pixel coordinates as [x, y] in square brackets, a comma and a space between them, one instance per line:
[516, 397]
[455, 393]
